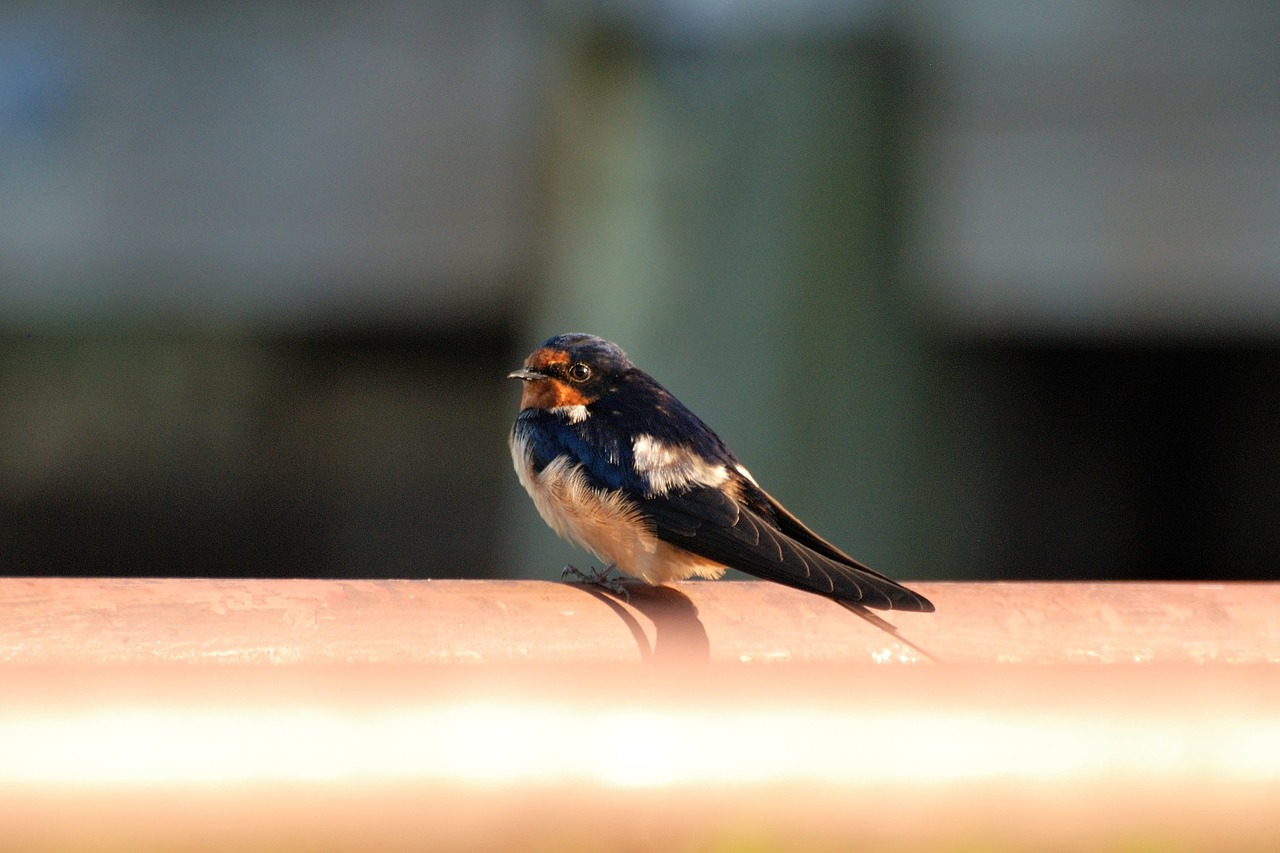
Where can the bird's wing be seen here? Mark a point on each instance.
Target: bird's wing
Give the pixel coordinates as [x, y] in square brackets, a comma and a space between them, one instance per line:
[709, 522]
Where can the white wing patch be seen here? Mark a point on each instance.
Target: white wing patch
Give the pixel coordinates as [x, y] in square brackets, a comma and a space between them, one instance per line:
[665, 467]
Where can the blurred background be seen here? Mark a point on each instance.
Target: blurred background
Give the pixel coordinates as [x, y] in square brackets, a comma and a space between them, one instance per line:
[979, 290]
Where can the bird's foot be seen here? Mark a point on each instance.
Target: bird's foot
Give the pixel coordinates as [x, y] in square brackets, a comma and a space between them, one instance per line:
[598, 577]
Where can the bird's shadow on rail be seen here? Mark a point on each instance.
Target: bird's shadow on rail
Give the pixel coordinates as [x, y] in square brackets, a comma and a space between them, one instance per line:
[678, 634]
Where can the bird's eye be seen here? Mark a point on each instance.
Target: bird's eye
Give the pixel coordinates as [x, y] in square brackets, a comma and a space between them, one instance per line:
[579, 372]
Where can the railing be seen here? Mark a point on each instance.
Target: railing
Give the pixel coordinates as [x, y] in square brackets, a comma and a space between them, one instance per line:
[145, 714]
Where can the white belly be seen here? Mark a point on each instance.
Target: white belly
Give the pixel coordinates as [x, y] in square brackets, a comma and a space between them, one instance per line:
[603, 522]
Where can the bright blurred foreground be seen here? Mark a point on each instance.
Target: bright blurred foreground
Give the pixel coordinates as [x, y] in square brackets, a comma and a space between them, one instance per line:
[501, 756]
[528, 742]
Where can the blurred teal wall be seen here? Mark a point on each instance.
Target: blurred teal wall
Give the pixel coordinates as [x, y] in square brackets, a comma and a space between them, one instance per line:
[727, 210]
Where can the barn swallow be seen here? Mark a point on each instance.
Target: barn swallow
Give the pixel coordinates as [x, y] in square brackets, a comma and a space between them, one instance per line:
[616, 464]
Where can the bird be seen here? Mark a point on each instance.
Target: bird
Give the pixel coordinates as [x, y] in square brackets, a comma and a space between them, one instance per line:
[617, 465]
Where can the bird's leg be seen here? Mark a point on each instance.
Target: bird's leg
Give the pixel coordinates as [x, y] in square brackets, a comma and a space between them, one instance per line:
[598, 577]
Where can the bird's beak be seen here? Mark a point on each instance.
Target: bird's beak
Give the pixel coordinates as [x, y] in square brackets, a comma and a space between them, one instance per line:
[526, 374]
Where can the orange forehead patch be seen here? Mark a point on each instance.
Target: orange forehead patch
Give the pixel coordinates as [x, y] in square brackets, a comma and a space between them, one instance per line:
[540, 359]
[550, 394]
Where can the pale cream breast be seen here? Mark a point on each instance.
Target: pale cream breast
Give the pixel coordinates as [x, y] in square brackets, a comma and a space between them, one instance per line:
[603, 522]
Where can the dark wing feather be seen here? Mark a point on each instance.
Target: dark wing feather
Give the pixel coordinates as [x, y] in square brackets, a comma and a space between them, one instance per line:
[710, 523]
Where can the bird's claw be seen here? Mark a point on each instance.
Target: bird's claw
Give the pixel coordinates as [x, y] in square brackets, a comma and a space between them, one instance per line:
[598, 577]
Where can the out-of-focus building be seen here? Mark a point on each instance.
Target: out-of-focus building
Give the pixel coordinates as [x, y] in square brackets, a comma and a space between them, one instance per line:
[979, 290]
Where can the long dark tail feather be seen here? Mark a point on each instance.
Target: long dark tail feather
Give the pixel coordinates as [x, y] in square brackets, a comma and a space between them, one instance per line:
[779, 556]
[772, 545]
[843, 583]
[887, 627]
[857, 575]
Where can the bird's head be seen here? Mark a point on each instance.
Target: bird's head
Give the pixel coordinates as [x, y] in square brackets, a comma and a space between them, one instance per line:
[570, 372]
